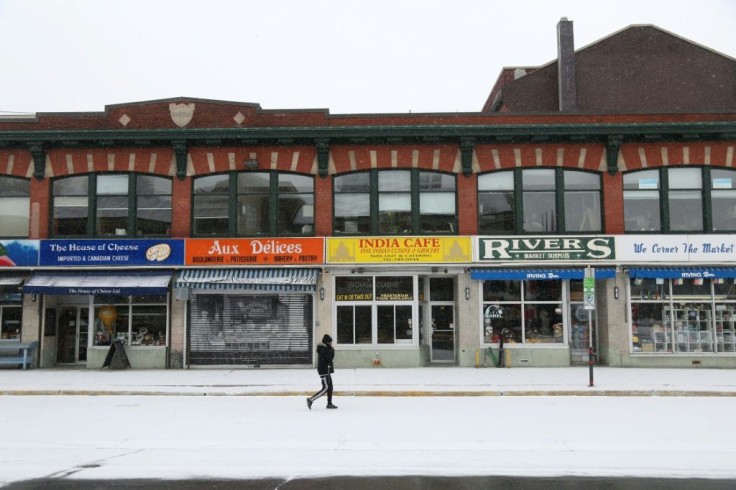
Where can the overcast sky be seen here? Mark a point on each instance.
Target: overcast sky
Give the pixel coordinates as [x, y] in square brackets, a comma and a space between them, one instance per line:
[373, 56]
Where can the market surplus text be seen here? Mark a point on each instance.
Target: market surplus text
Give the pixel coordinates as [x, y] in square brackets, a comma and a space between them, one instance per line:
[547, 248]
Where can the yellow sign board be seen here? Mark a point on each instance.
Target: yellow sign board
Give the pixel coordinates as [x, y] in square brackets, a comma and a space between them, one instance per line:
[404, 249]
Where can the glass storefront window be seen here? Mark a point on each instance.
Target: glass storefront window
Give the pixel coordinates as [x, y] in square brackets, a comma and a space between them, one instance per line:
[381, 311]
[354, 324]
[528, 312]
[683, 315]
[134, 320]
[10, 322]
[502, 291]
[394, 288]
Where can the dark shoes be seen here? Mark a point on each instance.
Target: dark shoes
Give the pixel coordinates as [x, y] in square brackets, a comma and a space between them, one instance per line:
[309, 404]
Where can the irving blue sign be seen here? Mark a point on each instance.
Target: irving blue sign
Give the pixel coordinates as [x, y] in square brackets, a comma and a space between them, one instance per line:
[105, 253]
[546, 248]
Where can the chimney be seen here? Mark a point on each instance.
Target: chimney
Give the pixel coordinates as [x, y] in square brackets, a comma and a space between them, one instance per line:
[565, 65]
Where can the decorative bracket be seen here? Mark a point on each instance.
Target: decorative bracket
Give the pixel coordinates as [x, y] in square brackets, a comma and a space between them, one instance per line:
[467, 146]
[613, 146]
[180, 152]
[323, 157]
[38, 154]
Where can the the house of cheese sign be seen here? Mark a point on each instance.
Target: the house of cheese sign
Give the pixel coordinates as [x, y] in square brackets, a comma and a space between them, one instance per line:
[265, 251]
[549, 248]
[388, 249]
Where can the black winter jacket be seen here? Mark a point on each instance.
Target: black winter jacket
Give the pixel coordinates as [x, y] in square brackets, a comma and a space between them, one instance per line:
[325, 355]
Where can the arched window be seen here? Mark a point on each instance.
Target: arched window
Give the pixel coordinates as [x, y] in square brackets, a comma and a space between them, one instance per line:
[395, 202]
[680, 200]
[111, 205]
[539, 200]
[15, 205]
[253, 204]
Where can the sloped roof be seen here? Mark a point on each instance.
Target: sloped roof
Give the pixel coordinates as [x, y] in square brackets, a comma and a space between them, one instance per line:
[641, 68]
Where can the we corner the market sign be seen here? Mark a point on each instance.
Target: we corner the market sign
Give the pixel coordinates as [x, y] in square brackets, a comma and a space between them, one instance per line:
[545, 248]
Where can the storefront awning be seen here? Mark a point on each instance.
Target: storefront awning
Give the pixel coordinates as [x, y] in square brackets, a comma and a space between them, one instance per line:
[537, 274]
[262, 279]
[119, 283]
[683, 272]
[9, 281]
[11, 284]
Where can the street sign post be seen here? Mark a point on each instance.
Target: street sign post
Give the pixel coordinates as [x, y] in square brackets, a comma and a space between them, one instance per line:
[589, 304]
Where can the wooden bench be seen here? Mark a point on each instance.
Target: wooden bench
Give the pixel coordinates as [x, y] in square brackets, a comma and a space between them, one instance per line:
[12, 352]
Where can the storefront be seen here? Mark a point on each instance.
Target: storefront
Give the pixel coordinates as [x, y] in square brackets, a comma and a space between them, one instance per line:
[16, 259]
[683, 310]
[86, 311]
[395, 300]
[11, 307]
[250, 317]
[85, 307]
[255, 310]
[681, 300]
[540, 311]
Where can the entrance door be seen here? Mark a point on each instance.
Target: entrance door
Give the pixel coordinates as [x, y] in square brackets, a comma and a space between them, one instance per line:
[72, 334]
[443, 333]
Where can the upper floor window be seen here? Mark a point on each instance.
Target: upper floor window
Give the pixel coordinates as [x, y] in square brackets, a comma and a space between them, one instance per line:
[684, 199]
[253, 203]
[395, 202]
[15, 206]
[111, 205]
[539, 201]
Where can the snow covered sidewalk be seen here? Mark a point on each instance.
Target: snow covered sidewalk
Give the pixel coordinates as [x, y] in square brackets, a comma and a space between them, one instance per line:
[432, 381]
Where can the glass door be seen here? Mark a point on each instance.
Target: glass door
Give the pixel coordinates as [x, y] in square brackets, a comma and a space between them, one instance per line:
[441, 321]
[72, 335]
[443, 333]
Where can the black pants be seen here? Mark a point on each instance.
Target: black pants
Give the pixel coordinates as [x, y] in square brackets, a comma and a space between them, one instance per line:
[326, 388]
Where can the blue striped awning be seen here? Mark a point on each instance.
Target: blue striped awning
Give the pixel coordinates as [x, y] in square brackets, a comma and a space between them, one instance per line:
[537, 274]
[262, 279]
[683, 272]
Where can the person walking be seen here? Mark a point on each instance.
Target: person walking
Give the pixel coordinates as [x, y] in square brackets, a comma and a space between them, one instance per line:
[325, 368]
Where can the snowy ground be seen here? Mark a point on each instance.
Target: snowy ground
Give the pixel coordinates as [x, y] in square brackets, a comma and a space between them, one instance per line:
[260, 435]
[119, 437]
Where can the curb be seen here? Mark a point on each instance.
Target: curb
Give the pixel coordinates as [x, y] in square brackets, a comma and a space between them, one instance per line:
[600, 393]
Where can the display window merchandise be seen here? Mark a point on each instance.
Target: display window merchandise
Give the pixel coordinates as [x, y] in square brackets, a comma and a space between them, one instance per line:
[683, 315]
[523, 312]
[10, 317]
[134, 320]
